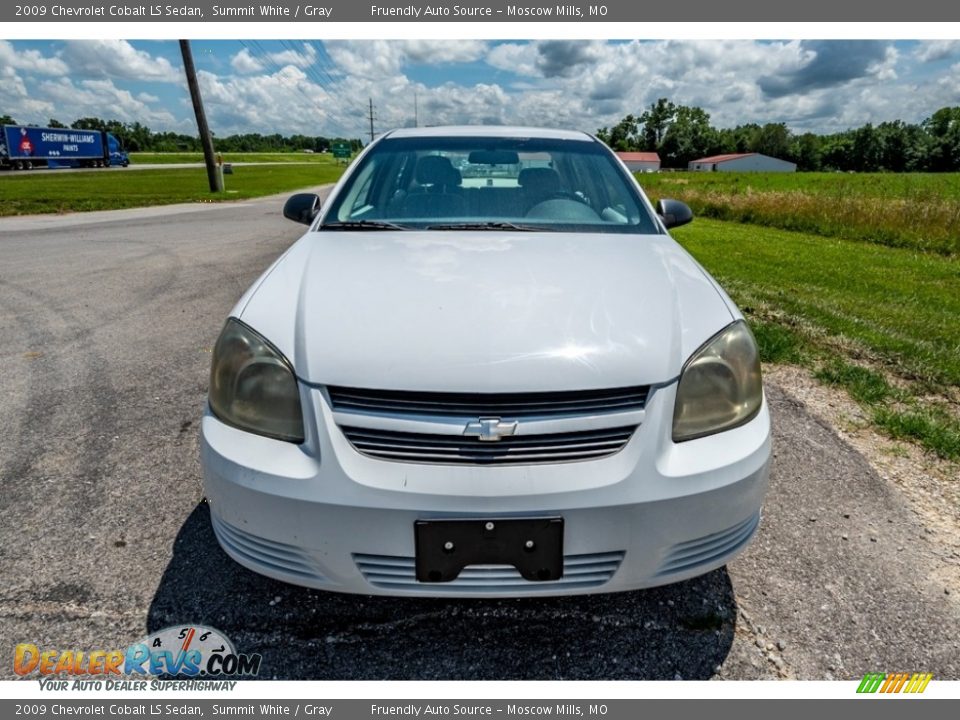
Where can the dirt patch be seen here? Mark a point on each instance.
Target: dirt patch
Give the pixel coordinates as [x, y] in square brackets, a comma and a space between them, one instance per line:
[930, 485]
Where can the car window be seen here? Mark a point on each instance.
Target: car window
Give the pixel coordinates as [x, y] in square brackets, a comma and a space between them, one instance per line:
[528, 183]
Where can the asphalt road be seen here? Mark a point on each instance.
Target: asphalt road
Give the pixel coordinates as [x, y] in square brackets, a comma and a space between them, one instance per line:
[107, 322]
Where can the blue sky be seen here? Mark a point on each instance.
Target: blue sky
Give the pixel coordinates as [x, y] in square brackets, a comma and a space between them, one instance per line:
[322, 88]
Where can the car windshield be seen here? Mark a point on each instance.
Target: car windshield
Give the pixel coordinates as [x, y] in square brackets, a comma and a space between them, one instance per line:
[490, 183]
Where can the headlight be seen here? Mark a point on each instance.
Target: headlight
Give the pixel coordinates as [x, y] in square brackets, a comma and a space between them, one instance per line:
[720, 385]
[252, 385]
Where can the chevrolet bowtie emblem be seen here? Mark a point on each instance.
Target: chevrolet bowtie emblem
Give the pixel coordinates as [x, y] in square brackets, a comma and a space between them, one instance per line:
[490, 429]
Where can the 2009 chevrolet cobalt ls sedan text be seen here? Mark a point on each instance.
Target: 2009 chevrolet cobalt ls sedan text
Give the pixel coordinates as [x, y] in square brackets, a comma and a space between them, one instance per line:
[486, 370]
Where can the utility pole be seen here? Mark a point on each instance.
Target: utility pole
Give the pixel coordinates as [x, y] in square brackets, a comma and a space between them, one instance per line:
[371, 119]
[216, 182]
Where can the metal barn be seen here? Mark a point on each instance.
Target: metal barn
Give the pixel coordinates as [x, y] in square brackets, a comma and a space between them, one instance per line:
[742, 162]
[640, 161]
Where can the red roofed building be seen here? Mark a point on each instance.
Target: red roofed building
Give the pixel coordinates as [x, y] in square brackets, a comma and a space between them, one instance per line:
[742, 162]
[640, 161]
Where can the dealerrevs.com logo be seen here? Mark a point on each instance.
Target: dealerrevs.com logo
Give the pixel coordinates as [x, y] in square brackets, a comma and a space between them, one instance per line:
[181, 651]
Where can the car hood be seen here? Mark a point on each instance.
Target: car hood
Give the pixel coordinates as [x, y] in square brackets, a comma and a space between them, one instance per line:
[485, 311]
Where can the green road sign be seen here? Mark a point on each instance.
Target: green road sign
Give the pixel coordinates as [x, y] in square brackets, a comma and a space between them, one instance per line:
[341, 150]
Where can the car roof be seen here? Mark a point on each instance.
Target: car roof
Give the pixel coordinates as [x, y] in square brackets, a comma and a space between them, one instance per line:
[505, 131]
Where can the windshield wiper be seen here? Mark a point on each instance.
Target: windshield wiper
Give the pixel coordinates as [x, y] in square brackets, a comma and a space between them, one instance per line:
[362, 225]
[493, 225]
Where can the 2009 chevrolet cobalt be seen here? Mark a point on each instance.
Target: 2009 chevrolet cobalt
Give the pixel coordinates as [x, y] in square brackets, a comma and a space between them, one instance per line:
[485, 370]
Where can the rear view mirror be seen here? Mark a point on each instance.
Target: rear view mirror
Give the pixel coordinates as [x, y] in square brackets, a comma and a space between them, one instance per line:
[493, 157]
[302, 208]
[674, 213]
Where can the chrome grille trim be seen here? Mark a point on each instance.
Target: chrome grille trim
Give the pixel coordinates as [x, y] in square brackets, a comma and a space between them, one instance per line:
[542, 405]
[518, 449]
[399, 573]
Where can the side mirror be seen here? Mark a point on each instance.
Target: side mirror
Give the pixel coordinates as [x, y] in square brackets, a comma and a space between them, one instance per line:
[674, 213]
[302, 208]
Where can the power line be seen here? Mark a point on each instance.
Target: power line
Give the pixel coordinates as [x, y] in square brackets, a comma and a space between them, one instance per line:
[258, 50]
[327, 82]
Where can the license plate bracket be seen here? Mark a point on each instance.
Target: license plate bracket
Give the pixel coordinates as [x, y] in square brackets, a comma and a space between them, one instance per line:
[534, 546]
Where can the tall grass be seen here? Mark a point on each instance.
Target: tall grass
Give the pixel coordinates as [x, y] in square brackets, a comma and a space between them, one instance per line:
[876, 208]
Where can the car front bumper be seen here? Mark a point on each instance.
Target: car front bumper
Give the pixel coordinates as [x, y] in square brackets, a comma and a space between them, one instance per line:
[323, 515]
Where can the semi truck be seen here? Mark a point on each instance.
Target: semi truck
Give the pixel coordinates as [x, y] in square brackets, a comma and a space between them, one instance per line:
[25, 148]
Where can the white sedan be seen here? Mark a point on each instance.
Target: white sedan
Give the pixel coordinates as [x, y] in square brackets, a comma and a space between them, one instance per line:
[485, 370]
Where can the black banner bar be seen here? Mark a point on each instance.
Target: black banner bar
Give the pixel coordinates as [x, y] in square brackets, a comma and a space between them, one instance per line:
[322, 709]
[391, 11]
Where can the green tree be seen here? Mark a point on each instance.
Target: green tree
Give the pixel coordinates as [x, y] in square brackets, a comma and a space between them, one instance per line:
[772, 139]
[54, 123]
[837, 152]
[805, 151]
[89, 123]
[655, 121]
[866, 149]
[7, 120]
[737, 140]
[623, 135]
[689, 137]
[944, 129]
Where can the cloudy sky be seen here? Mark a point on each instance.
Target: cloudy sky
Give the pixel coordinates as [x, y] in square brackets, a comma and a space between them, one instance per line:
[322, 88]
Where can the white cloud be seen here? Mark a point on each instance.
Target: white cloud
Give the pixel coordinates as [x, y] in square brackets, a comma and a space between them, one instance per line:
[30, 60]
[294, 88]
[298, 58]
[18, 102]
[938, 50]
[285, 101]
[117, 59]
[101, 98]
[244, 62]
[372, 59]
[434, 52]
[367, 59]
[516, 58]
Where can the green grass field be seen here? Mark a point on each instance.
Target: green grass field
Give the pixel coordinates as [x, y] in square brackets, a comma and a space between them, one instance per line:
[882, 322]
[50, 191]
[910, 210]
[150, 158]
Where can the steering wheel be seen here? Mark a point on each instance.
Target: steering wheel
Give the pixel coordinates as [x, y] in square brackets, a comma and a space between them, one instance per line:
[565, 195]
[563, 208]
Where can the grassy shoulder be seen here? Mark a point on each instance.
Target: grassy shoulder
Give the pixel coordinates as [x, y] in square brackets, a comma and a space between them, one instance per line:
[50, 191]
[158, 158]
[920, 211]
[880, 322]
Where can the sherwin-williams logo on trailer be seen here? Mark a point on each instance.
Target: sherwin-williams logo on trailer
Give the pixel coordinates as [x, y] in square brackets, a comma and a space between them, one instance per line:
[894, 683]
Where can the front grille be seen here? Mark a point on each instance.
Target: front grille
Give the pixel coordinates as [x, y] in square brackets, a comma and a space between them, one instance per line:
[579, 571]
[505, 405]
[513, 450]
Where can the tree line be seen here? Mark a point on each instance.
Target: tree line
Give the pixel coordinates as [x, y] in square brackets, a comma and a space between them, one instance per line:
[680, 134]
[139, 138]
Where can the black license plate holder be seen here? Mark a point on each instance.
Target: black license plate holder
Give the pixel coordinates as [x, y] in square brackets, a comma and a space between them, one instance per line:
[534, 546]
